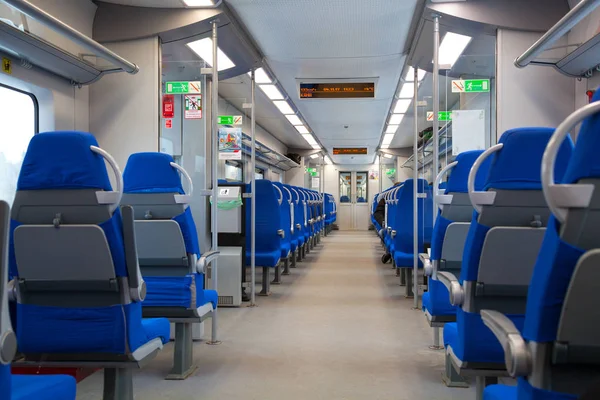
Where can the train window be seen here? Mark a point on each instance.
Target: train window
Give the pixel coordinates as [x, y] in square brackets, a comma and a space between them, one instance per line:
[234, 171]
[19, 116]
[259, 173]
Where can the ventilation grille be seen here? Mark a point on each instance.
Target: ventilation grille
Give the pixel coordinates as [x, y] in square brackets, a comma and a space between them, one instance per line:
[225, 300]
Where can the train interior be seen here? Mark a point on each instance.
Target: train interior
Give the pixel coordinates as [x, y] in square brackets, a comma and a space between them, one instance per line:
[299, 199]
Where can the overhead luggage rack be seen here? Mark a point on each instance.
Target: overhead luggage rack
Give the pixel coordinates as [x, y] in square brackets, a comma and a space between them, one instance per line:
[268, 155]
[581, 61]
[37, 51]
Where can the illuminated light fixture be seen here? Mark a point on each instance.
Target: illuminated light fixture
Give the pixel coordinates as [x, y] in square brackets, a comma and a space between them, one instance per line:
[385, 146]
[452, 47]
[316, 147]
[199, 3]
[402, 106]
[284, 107]
[396, 119]
[302, 129]
[407, 91]
[387, 139]
[310, 139]
[260, 76]
[328, 160]
[313, 156]
[391, 129]
[410, 75]
[386, 155]
[272, 92]
[204, 49]
[294, 120]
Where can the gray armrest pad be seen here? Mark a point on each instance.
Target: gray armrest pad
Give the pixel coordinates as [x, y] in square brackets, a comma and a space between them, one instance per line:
[449, 280]
[136, 284]
[206, 259]
[516, 353]
[281, 233]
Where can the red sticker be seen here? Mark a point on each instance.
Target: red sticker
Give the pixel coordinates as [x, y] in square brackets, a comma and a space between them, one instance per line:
[168, 123]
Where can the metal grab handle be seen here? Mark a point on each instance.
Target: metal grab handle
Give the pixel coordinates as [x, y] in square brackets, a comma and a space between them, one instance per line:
[298, 200]
[572, 18]
[575, 195]
[186, 175]
[438, 179]
[473, 174]
[53, 23]
[118, 176]
[280, 194]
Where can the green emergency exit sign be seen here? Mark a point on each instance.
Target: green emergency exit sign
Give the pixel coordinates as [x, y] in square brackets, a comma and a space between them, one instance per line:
[442, 116]
[182, 87]
[390, 171]
[229, 120]
[312, 171]
[470, 85]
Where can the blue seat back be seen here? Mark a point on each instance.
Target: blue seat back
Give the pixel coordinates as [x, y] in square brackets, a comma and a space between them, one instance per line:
[403, 216]
[268, 217]
[58, 194]
[344, 199]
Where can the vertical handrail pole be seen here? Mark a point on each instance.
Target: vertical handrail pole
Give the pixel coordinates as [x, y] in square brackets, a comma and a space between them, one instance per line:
[380, 172]
[415, 194]
[253, 190]
[436, 102]
[214, 173]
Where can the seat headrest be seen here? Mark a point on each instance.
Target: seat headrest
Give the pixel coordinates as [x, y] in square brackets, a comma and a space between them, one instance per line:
[151, 173]
[63, 160]
[518, 164]
[585, 162]
[459, 175]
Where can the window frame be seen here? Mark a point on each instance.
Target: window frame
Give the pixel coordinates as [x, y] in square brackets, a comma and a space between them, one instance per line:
[36, 106]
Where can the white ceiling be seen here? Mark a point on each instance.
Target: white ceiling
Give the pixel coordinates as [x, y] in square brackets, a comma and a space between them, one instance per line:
[304, 39]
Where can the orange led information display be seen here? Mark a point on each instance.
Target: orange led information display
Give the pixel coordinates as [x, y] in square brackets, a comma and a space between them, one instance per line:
[338, 151]
[337, 90]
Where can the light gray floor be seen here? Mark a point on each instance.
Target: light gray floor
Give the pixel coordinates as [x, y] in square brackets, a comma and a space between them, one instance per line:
[337, 328]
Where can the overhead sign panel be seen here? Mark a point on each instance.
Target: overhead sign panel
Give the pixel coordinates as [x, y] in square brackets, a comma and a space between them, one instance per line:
[182, 87]
[338, 151]
[337, 90]
[470, 85]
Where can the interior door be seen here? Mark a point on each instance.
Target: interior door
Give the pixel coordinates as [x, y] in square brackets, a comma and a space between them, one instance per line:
[353, 210]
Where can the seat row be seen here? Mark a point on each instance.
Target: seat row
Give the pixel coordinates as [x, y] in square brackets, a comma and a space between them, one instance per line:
[290, 221]
[397, 231]
[95, 276]
[513, 268]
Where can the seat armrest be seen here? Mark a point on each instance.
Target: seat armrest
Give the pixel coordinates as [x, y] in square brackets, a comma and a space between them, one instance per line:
[137, 286]
[393, 234]
[281, 233]
[389, 229]
[457, 294]
[516, 353]
[427, 267]
[298, 226]
[206, 259]
[11, 290]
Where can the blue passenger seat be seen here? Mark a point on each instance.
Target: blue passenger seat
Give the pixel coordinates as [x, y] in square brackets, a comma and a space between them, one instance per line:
[84, 308]
[268, 229]
[168, 250]
[555, 355]
[22, 387]
[496, 266]
[286, 212]
[449, 235]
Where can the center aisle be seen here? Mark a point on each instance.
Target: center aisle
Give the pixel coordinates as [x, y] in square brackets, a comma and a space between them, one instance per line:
[338, 327]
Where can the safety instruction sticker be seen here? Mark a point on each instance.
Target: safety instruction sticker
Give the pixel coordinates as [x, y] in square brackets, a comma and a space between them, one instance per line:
[193, 106]
[230, 143]
[168, 123]
[6, 65]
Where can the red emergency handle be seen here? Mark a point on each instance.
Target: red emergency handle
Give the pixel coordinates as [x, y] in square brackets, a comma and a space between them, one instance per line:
[168, 106]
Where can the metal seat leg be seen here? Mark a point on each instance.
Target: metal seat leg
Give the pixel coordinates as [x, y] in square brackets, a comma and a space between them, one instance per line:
[183, 355]
[277, 279]
[409, 283]
[286, 265]
[118, 384]
[450, 376]
[266, 282]
[481, 382]
[294, 253]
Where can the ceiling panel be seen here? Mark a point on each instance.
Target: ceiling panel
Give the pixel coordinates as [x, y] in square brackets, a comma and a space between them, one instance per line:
[315, 39]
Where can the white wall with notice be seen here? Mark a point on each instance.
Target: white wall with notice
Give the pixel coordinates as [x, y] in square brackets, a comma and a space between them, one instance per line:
[468, 130]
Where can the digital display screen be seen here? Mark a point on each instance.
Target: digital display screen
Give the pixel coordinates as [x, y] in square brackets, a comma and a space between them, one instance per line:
[337, 90]
[349, 150]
